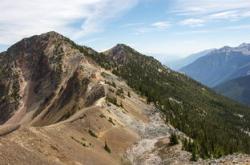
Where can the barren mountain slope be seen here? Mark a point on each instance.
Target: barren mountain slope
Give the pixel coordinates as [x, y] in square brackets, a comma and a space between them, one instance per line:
[81, 138]
[47, 83]
[57, 106]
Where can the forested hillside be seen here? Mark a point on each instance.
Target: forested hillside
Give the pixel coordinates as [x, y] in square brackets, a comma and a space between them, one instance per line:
[211, 120]
[237, 89]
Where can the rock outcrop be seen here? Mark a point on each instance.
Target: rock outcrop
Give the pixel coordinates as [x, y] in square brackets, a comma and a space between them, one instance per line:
[44, 79]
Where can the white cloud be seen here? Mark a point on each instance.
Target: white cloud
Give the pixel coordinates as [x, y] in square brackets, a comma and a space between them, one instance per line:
[142, 30]
[22, 18]
[194, 32]
[129, 25]
[194, 7]
[153, 27]
[161, 25]
[225, 15]
[193, 22]
[199, 13]
[232, 15]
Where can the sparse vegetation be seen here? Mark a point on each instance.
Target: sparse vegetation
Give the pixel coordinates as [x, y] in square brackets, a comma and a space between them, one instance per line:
[129, 95]
[111, 121]
[203, 115]
[106, 147]
[83, 142]
[113, 84]
[194, 152]
[102, 116]
[112, 100]
[121, 105]
[110, 83]
[92, 133]
[173, 139]
[111, 90]
[105, 75]
[119, 91]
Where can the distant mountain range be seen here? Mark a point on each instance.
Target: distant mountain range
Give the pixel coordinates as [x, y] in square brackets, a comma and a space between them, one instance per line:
[178, 64]
[220, 65]
[226, 70]
[237, 89]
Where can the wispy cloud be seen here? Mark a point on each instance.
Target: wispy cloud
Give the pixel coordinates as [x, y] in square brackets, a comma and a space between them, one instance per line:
[193, 22]
[161, 25]
[225, 15]
[153, 27]
[217, 29]
[194, 7]
[142, 30]
[129, 25]
[232, 15]
[198, 13]
[21, 18]
[194, 32]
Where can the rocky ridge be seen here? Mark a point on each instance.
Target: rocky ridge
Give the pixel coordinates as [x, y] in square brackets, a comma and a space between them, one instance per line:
[58, 106]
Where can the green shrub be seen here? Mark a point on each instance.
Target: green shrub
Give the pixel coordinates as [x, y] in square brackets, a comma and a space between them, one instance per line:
[111, 121]
[173, 139]
[106, 147]
[129, 94]
[92, 133]
[119, 92]
[112, 100]
[194, 152]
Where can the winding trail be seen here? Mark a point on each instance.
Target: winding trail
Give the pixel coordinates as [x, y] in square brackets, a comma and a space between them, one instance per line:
[8, 128]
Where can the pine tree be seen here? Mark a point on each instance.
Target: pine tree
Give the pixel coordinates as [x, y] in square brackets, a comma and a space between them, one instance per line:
[129, 94]
[194, 152]
[173, 139]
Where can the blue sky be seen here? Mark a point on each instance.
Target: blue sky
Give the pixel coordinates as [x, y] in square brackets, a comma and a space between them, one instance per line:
[166, 29]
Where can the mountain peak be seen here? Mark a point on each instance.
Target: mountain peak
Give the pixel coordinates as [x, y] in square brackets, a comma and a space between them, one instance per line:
[122, 47]
[120, 53]
[51, 34]
[46, 60]
[40, 42]
[244, 45]
[242, 49]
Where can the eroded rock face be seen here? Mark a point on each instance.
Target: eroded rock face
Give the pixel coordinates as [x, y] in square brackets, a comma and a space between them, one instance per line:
[10, 92]
[95, 93]
[45, 76]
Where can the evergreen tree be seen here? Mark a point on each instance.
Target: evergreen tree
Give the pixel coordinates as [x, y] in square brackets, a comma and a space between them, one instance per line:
[194, 151]
[129, 94]
[173, 139]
